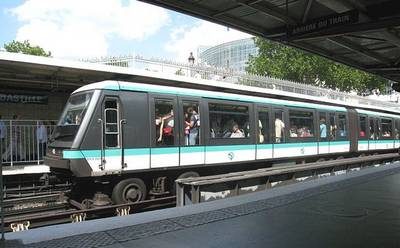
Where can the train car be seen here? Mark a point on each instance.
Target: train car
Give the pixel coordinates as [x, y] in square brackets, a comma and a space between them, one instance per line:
[130, 140]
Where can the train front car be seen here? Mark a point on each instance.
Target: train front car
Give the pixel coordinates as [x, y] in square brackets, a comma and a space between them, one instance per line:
[69, 134]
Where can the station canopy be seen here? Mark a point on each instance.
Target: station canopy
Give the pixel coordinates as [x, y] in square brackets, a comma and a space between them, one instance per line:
[363, 34]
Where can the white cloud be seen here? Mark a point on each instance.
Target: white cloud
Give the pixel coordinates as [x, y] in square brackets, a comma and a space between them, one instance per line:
[184, 40]
[81, 28]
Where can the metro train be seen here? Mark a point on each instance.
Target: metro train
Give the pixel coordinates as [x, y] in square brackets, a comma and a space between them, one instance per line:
[130, 141]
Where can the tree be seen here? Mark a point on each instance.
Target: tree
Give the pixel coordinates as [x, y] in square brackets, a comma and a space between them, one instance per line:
[280, 61]
[26, 48]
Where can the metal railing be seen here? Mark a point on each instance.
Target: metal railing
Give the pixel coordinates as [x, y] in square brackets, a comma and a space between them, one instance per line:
[188, 190]
[207, 72]
[24, 141]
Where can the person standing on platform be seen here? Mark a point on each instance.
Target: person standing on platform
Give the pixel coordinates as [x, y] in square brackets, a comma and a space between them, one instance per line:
[3, 135]
[41, 136]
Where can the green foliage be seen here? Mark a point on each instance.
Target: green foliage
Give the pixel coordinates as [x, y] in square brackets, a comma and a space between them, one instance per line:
[25, 48]
[280, 61]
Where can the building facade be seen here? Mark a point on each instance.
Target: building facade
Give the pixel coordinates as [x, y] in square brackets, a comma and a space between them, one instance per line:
[233, 55]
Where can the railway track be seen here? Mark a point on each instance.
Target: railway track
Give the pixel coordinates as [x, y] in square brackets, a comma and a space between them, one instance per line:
[57, 216]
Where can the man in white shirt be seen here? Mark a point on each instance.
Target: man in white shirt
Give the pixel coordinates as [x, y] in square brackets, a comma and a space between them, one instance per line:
[279, 127]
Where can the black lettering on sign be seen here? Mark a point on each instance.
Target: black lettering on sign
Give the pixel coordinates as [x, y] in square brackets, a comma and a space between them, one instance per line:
[324, 22]
[23, 98]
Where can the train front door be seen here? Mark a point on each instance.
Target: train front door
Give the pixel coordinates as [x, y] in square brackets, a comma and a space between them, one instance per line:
[111, 134]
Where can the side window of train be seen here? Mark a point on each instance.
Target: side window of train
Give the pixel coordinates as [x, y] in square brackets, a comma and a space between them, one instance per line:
[362, 134]
[301, 124]
[263, 126]
[164, 122]
[332, 126]
[342, 126]
[191, 123]
[397, 129]
[323, 127]
[111, 123]
[279, 126]
[229, 121]
[386, 128]
[372, 128]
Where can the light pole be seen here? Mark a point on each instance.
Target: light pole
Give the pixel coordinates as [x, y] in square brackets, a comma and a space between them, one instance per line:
[191, 63]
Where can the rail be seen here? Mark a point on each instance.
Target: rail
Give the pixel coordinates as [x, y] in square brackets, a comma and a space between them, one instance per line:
[24, 141]
[188, 190]
[44, 218]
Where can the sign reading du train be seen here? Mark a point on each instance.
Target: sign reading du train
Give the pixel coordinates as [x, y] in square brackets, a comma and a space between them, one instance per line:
[23, 98]
[325, 22]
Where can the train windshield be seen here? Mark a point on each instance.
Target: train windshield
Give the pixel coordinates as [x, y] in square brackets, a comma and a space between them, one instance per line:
[72, 116]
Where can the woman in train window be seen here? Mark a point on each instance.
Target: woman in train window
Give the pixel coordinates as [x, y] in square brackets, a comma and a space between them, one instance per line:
[194, 125]
[167, 128]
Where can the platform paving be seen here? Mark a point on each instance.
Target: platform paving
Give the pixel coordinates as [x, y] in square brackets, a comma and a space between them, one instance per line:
[358, 209]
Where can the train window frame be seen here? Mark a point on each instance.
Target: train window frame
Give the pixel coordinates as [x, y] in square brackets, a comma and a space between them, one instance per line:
[200, 112]
[324, 114]
[366, 136]
[381, 128]
[153, 98]
[284, 119]
[397, 129]
[118, 132]
[338, 136]
[227, 141]
[266, 136]
[374, 127]
[332, 128]
[313, 138]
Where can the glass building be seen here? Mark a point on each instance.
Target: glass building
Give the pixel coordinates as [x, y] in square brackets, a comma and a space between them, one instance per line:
[233, 55]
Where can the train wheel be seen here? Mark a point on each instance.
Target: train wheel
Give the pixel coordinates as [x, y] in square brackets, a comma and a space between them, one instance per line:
[183, 175]
[188, 174]
[129, 190]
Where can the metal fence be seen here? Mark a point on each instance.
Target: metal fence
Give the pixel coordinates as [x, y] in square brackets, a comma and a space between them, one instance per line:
[24, 141]
[203, 71]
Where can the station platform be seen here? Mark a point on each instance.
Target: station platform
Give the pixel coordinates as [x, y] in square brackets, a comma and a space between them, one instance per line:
[25, 169]
[357, 209]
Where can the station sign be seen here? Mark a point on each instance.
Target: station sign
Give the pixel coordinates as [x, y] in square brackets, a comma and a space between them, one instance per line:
[325, 22]
[23, 98]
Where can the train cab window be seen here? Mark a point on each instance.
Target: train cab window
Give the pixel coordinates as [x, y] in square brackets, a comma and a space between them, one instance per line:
[301, 124]
[229, 121]
[191, 123]
[279, 126]
[332, 126]
[323, 127]
[386, 128]
[263, 126]
[111, 123]
[342, 126]
[372, 129]
[362, 134]
[164, 122]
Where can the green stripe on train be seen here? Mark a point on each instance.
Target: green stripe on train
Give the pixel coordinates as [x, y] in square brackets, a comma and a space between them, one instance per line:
[80, 154]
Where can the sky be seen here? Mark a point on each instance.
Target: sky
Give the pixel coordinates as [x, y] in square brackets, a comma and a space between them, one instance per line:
[84, 29]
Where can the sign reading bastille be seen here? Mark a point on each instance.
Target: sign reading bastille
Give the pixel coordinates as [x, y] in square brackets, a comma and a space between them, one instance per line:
[325, 22]
[23, 98]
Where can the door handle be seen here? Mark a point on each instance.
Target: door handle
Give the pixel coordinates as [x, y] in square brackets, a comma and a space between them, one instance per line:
[122, 122]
